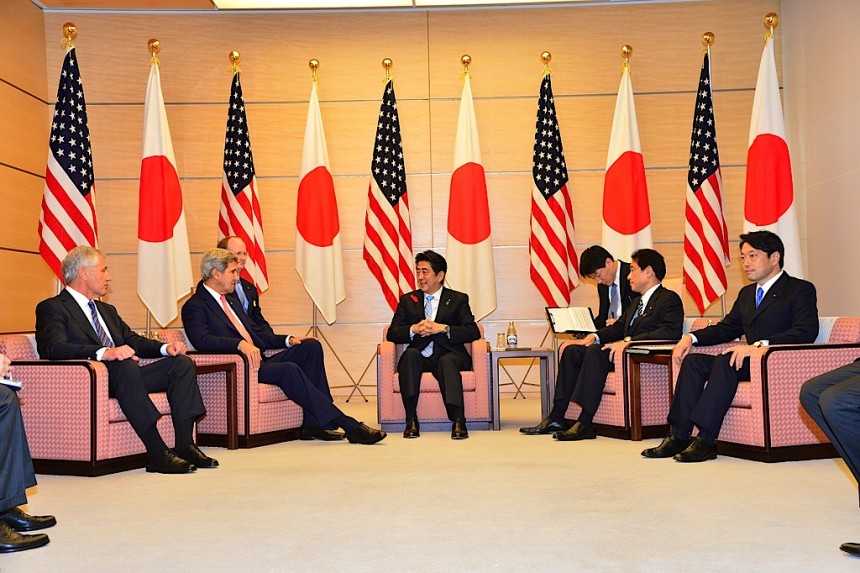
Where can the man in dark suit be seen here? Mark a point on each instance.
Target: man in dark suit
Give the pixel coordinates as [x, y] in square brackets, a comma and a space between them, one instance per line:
[16, 475]
[613, 288]
[656, 314]
[76, 325]
[774, 309]
[216, 323]
[245, 294]
[833, 401]
[436, 323]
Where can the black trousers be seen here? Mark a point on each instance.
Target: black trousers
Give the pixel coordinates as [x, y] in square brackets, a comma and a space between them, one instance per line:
[701, 405]
[16, 467]
[446, 368]
[582, 372]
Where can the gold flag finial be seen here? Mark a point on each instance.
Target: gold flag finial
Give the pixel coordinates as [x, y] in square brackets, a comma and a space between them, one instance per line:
[70, 32]
[466, 60]
[626, 52]
[154, 46]
[707, 42]
[771, 21]
[314, 64]
[234, 57]
[387, 63]
[546, 58]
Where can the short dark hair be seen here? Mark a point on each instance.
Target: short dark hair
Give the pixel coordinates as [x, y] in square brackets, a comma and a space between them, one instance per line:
[650, 258]
[437, 261]
[766, 241]
[592, 259]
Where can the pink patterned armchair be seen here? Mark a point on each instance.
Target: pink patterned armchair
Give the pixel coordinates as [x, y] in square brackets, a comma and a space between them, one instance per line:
[73, 427]
[477, 391]
[613, 417]
[265, 414]
[766, 421]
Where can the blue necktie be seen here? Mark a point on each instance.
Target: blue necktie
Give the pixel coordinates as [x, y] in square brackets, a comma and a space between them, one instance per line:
[639, 310]
[428, 313]
[100, 332]
[240, 292]
[759, 294]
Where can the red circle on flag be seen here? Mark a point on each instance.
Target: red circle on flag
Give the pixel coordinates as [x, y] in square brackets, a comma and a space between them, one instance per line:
[468, 208]
[160, 199]
[625, 195]
[769, 191]
[316, 212]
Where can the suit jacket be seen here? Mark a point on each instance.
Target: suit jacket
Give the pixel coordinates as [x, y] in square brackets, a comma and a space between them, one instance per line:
[254, 310]
[662, 319]
[624, 291]
[210, 329]
[453, 310]
[788, 314]
[64, 331]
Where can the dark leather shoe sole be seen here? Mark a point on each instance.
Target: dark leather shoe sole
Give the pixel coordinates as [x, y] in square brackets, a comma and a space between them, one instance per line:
[851, 548]
[20, 521]
[688, 457]
[540, 429]
[170, 463]
[575, 437]
[411, 435]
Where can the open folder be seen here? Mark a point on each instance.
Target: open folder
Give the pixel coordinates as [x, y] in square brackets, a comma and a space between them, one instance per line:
[571, 319]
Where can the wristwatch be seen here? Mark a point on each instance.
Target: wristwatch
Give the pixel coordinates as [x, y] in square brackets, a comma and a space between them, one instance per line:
[447, 331]
[758, 344]
[628, 338]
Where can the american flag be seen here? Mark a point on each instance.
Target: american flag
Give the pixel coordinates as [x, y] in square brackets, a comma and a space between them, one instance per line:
[706, 237]
[68, 215]
[240, 213]
[553, 264]
[388, 236]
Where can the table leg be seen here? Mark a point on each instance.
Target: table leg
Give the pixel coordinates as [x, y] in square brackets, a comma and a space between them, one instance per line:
[497, 422]
[635, 401]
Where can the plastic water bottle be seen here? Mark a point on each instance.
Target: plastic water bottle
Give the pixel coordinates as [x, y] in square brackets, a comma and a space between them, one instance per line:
[511, 336]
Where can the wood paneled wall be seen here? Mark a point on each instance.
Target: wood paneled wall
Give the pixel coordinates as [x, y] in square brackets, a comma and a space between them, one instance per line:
[426, 47]
[24, 126]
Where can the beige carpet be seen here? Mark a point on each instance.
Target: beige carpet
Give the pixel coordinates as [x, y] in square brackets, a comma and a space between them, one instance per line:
[496, 502]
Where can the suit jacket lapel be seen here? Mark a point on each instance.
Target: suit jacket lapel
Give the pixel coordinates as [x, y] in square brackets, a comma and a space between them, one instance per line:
[771, 296]
[444, 305]
[77, 314]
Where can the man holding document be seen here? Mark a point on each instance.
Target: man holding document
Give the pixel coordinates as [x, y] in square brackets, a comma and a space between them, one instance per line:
[656, 314]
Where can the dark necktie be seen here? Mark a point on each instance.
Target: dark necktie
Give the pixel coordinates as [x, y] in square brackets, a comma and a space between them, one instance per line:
[100, 332]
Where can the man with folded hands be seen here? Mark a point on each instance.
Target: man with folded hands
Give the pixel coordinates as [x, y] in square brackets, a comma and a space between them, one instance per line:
[76, 324]
[215, 322]
[656, 314]
[16, 475]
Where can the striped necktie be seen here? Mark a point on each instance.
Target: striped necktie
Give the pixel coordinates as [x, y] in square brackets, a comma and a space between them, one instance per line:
[614, 301]
[639, 310]
[428, 314]
[100, 332]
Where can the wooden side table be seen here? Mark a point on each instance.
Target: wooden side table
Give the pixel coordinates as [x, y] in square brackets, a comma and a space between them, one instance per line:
[634, 369]
[546, 358]
[229, 370]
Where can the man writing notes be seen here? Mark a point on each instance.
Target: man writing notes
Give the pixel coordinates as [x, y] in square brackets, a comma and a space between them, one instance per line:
[774, 309]
[75, 324]
[16, 475]
[216, 323]
[656, 314]
[613, 288]
[436, 323]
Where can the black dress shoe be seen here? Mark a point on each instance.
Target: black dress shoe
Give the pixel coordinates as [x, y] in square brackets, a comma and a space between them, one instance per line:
[194, 456]
[317, 433]
[167, 462]
[20, 521]
[575, 433]
[546, 426]
[698, 451]
[11, 540]
[851, 548]
[412, 429]
[667, 448]
[364, 434]
[459, 430]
